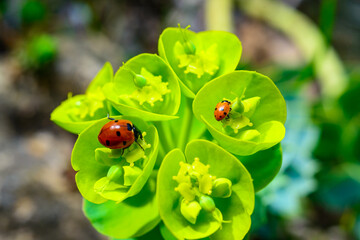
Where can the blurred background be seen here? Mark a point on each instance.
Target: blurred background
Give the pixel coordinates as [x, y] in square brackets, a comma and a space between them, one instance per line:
[310, 48]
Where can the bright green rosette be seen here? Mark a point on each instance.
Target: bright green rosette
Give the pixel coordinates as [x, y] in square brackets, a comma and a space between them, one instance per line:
[256, 121]
[145, 86]
[189, 176]
[206, 192]
[113, 174]
[197, 58]
[80, 111]
[132, 217]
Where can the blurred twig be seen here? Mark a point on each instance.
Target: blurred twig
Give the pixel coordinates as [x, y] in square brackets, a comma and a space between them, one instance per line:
[328, 67]
[218, 14]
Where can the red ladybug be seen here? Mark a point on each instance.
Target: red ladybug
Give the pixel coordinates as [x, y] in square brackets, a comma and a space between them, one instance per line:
[222, 110]
[119, 134]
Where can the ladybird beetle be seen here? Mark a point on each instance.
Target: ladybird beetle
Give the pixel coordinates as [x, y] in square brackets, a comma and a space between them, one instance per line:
[119, 134]
[222, 110]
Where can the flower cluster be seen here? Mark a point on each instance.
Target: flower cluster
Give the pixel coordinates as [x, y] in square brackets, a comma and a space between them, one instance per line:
[190, 175]
[196, 186]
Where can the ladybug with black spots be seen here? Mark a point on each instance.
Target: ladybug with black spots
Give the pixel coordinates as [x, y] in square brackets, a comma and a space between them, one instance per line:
[119, 134]
[222, 110]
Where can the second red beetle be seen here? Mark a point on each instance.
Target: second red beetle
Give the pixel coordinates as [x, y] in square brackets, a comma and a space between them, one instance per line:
[222, 110]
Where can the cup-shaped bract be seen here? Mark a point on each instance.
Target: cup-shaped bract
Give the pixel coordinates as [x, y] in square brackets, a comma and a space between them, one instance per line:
[106, 174]
[270, 161]
[78, 112]
[231, 217]
[197, 58]
[145, 86]
[132, 217]
[263, 116]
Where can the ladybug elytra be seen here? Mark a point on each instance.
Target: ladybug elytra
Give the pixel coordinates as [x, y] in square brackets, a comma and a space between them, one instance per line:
[119, 134]
[222, 110]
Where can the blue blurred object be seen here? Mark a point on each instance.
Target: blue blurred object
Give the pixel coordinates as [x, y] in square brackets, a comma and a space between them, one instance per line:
[79, 15]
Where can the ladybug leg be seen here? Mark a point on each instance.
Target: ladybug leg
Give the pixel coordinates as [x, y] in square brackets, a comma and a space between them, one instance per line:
[108, 116]
[140, 145]
[228, 116]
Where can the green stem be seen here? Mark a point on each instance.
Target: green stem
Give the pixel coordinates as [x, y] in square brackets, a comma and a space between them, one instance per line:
[170, 134]
[165, 135]
[200, 134]
[160, 156]
[185, 125]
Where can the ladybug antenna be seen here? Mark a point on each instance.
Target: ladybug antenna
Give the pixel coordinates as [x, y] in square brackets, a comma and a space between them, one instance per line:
[108, 116]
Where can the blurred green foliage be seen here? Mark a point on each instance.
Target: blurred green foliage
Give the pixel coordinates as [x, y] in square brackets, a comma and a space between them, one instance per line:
[38, 52]
[327, 18]
[32, 11]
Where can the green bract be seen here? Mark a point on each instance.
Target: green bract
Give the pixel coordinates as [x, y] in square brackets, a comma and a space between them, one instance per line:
[78, 112]
[145, 86]
[255, 123]
[165, 232]
[270, 161]
[198, 57]
[103, 173]
[133, 217]
[185, 185]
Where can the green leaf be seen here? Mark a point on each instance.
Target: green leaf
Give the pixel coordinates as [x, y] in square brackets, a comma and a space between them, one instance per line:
[90, 171]
[65, 117]
[222, 50]
[131, 218]
[270, 161]
[158, 100]
[79, 112]
[165, 233]
[236, 210]
[267, 120]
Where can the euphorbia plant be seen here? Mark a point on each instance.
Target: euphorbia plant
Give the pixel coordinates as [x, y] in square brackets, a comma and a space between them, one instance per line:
[192, 176]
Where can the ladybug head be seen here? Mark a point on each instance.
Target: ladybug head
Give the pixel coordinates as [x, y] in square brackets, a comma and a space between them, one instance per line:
[137, 133]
